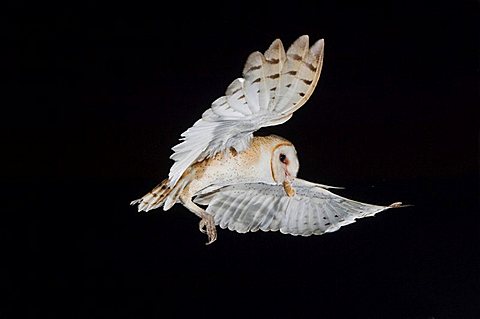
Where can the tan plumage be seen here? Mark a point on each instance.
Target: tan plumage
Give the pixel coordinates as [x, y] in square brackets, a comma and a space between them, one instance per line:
[249, 182]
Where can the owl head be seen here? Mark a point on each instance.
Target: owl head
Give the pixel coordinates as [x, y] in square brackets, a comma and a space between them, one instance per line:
[284, 162]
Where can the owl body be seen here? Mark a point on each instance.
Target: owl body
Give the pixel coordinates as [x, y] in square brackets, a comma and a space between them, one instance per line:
[232, 167]
[270, 160]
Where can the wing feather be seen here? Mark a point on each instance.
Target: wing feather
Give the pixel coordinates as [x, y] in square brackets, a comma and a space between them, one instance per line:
[299, 75]
[255, 85]
[318, 224]
[221, 217]
[311, 219]
[274, 85]
[257, 217]
[278, 214]
[313, 210]
[302, 218]
[237, 210]
[247, 218]
[236, 98]
[228, 206]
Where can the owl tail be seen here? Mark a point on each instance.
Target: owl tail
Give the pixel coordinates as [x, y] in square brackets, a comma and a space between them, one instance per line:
[162, 194]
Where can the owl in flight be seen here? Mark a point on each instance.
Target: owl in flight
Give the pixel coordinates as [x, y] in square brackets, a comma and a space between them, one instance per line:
[250, 182]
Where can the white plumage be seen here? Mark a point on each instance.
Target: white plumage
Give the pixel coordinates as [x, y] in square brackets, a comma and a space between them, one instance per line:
[249, 182]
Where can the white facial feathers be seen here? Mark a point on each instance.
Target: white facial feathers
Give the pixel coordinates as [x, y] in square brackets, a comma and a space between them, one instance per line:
[284, 163]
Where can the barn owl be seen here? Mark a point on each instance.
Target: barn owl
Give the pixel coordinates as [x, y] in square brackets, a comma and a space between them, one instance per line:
[250, 182]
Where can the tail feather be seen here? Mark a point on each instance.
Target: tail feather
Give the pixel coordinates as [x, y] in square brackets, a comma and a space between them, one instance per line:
[155, 198]
[175, 193]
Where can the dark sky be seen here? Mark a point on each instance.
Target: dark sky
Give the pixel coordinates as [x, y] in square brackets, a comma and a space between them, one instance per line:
[107, 90]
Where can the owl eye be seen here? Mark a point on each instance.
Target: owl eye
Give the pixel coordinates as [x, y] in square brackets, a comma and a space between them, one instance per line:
[283, 157]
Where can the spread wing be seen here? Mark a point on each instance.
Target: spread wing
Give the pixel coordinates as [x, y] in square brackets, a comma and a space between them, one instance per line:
[274, 85]
[312, 211]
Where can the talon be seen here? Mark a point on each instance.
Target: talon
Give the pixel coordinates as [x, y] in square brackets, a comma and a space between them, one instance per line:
[202, 226]
[207, 225]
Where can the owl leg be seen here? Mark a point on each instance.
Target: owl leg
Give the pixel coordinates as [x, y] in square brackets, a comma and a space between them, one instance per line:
[207, 224]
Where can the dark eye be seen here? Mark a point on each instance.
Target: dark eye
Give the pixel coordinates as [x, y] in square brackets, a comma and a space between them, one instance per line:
[283, 157]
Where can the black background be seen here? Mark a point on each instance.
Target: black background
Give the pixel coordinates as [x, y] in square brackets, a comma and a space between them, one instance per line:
[106, 91]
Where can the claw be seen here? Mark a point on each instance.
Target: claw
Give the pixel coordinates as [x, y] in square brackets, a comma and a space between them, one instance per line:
[202, 226]
[207, 225]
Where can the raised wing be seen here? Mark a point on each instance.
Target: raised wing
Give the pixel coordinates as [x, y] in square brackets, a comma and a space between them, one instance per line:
[274, 85]
[312, 211]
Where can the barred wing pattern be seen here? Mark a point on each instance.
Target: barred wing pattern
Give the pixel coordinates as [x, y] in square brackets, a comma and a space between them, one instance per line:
[274, 85]
[312, 211]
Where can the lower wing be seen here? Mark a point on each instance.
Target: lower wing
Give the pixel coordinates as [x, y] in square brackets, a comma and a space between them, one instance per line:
[312, 211]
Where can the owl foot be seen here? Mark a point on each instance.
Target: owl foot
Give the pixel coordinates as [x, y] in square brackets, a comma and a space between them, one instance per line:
[207, 225]
[289, 190]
